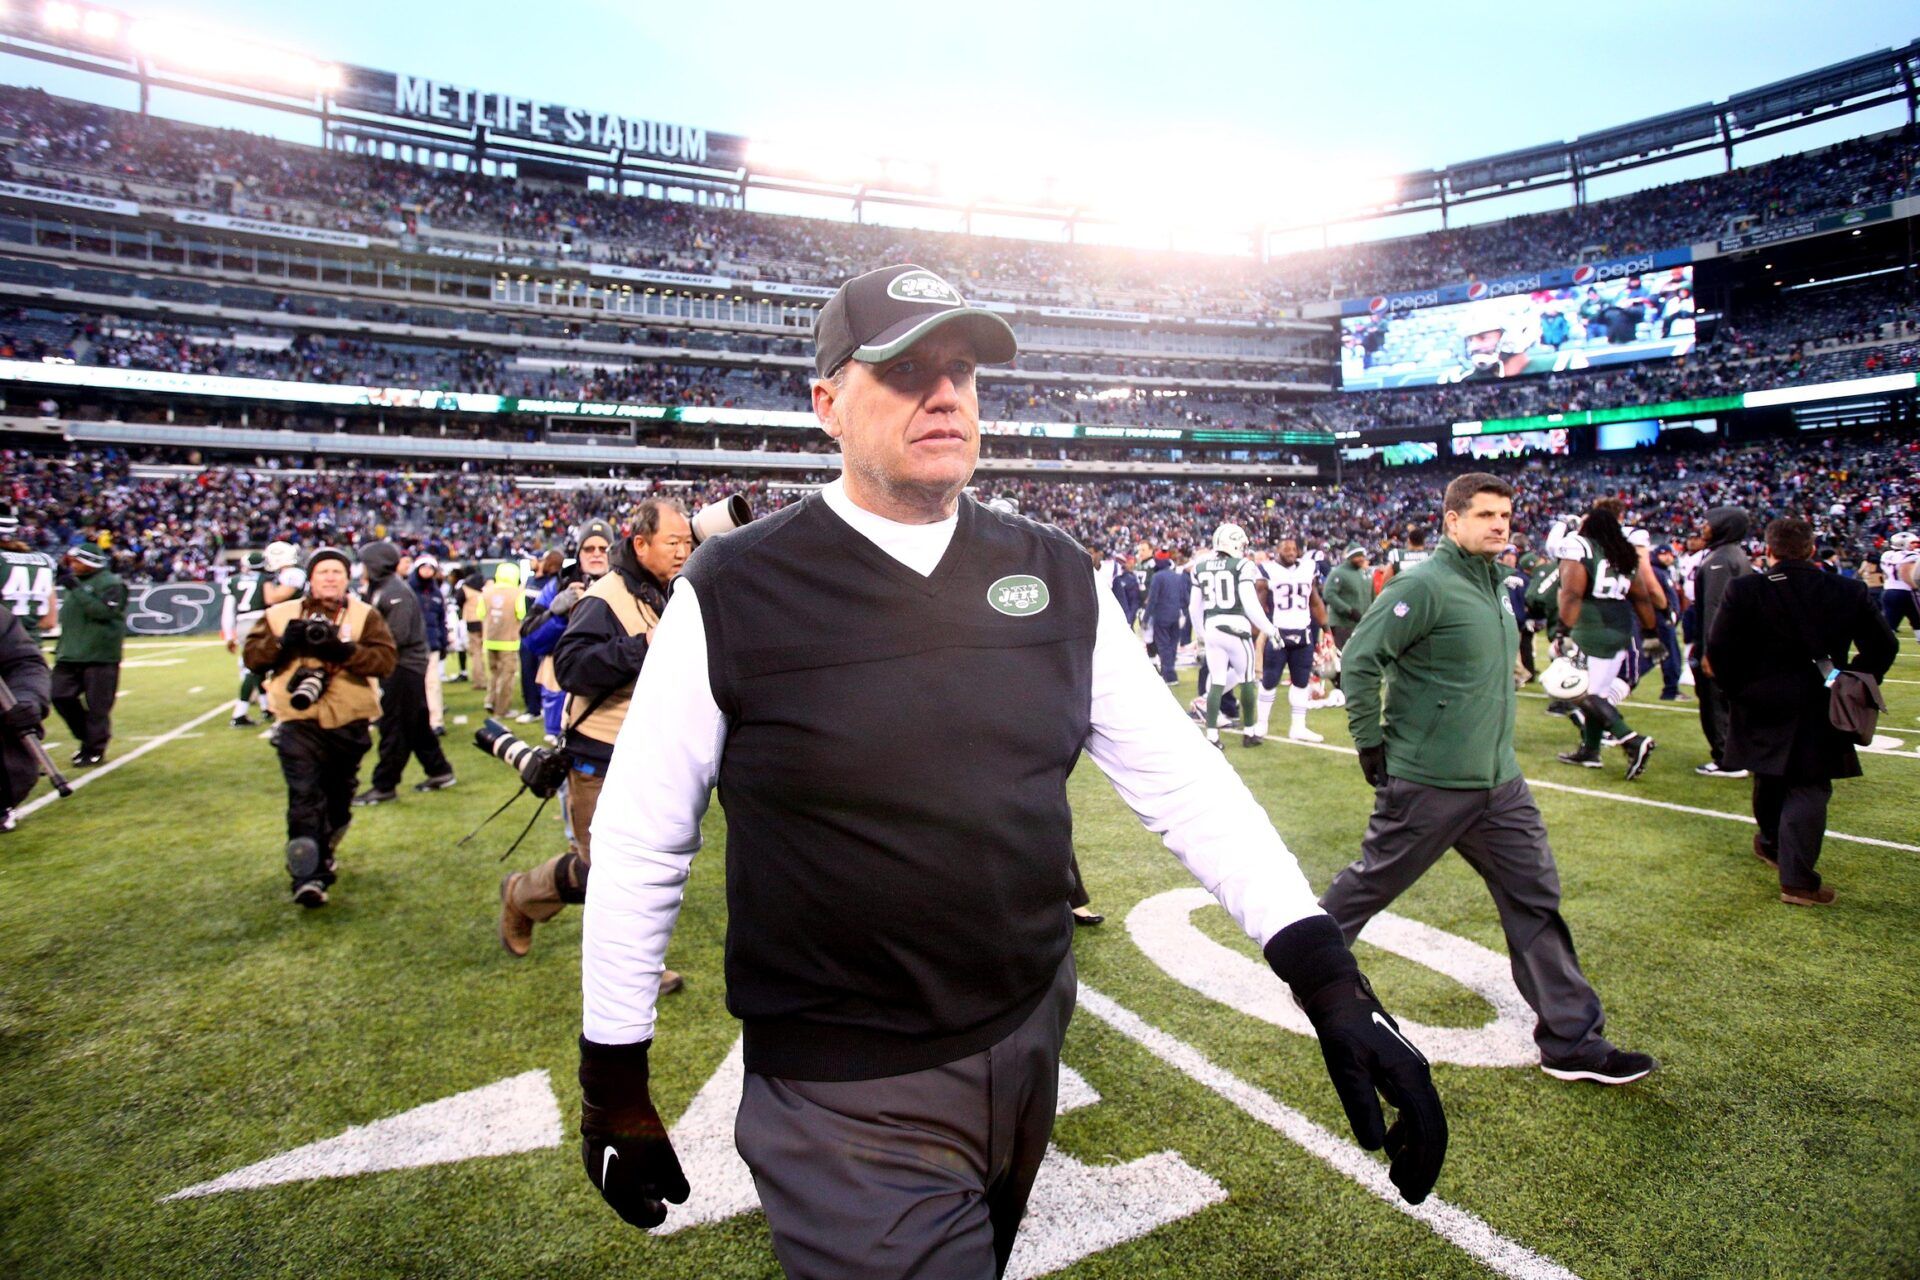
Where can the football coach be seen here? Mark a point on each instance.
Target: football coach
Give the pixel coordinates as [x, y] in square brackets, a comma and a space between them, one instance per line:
[1441, 763]
[890, 684]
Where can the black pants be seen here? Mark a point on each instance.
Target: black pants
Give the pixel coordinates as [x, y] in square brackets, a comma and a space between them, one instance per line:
[1077, 896]
[925, 1174]
[1527, 660]
[1714, 710]
[406, 730]
[1793, 821]
[1166, 646]
[322, 767]
[83, 694]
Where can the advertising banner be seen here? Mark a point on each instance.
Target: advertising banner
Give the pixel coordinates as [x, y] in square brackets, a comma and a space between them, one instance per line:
[70, 199]
[1526, 282]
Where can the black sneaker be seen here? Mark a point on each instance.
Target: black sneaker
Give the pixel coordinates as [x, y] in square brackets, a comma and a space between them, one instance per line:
[243, 721]
[82, 759]
[439, 782]
[1251, 740]
[373, 795]
[1712, 770]
[1583, 757]
[1618, 1067]
[310, 894]
[1639, 749]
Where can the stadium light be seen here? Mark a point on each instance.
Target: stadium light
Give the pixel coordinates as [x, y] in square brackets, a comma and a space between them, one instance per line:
[60, 16]
[200, 51]
[806, 159]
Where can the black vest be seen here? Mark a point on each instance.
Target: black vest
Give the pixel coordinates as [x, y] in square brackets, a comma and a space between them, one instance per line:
[894, 782]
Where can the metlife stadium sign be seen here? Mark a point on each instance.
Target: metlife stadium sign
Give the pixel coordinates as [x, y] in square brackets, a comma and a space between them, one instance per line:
[1526, 283]
[512, 115]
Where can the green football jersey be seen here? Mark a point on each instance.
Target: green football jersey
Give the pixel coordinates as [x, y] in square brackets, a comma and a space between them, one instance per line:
[1217, 578]
[249, 591]
[1405, 558]
[1606, 619]
[26, 584]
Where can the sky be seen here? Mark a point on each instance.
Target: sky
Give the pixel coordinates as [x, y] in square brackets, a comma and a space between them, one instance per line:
[1267, 106]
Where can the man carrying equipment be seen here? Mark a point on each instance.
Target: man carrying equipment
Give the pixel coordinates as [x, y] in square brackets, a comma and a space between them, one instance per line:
[1604, 585]
[1227, 608]
[1296, 605]
[265, 579]
[1436, 655]
[26, 579]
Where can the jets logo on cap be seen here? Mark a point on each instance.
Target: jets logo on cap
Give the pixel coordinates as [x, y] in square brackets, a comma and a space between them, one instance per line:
[923, 286]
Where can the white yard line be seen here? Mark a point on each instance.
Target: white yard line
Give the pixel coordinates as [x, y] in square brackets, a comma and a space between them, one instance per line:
[1640, 800]
[1453, 1224]
[171, 644]
[101, 771]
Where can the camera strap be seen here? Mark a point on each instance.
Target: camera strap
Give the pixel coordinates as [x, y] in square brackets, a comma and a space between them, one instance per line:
[502, 809]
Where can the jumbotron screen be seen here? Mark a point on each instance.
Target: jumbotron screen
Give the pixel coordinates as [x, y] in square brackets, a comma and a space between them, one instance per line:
[1550, 330]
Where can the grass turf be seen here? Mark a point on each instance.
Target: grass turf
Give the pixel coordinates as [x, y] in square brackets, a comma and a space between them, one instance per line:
[166, 1016]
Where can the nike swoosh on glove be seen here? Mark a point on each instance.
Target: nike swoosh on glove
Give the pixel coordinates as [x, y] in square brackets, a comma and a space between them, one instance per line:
[1365, 1053]
[623, 1142]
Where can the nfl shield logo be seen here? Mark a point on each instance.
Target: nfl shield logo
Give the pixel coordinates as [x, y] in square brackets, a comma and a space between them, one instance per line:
[1400, 610]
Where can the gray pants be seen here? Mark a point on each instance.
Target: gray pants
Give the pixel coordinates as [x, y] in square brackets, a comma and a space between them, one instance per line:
[923, 1175]
[1793, 822]
[1500, 834]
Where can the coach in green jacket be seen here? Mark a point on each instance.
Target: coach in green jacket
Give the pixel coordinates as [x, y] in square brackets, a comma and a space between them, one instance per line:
[1441, 762]
[86, 661]
[1348, 592]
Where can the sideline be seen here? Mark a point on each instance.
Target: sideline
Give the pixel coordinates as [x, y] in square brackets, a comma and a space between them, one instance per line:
[94, 775]
[1641, 800]
[1453, 1224]
[171, 644]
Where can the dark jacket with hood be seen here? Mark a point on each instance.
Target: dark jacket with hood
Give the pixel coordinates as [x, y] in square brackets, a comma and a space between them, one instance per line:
[1726, 560]
[595, 654]
[431, 594]
[397, 605]
[25, 672]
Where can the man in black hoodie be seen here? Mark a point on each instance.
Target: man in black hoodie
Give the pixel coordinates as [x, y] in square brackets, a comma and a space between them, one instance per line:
[1725, 533]
[406, 727]
[596, 661]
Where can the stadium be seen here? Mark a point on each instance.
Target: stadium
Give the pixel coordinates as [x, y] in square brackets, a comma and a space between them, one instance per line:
[479, 329]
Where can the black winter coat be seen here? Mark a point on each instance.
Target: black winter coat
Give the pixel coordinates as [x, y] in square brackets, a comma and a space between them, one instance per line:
[25, 672]
[1779, 723]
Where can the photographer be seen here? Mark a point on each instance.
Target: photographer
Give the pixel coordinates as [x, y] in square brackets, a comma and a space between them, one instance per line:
[25, 672]
[342, 645]
[596, 661]
[86, 658]
[548, 619]
[405, 726]
[425, 581]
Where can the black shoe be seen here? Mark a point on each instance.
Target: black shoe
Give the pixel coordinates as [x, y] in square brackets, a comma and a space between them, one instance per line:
[439, 782]
[1251, 740]
[1639, 749]
[1618, 1067]
[373, 795]
[1559, 707]
[1582, 756]
[439, 731]
[82, 759]
[1085, 919]
[310, 894]
[243, 721]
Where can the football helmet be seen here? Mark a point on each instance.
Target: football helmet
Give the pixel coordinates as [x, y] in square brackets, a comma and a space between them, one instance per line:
[1903, 541]
[1230, 539]
[280, 555]
[255, 560]
[9, 520]
[1566, 676]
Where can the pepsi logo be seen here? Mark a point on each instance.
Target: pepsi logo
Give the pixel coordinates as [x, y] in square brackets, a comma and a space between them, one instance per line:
[1476, 291]
[1376, 305]
[1584, 275]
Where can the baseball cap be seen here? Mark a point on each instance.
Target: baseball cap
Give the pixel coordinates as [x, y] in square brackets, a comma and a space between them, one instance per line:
[89, 555]
[1355, 550]
[878, 315]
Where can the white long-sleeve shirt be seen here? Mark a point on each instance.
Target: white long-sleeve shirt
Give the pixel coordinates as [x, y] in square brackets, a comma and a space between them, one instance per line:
[647, 827]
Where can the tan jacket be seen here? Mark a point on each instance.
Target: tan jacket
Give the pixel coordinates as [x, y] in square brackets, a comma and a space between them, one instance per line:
[353, 688]
[637, 619]
[502, 606]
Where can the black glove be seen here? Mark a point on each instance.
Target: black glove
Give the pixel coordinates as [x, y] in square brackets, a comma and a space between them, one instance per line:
[66, 578]
[335, 650]
[23, 718]
[622, 1139]
[1373, 763]
[1364, 1052]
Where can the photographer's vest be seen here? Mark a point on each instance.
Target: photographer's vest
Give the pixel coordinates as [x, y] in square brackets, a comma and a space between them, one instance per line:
[469, 603]
[348, 697]
[635, 618]
[501, 607]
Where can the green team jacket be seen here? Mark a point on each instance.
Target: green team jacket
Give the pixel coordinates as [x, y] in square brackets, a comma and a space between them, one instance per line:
[93, 619]
[1348, 592]
[1443, 642]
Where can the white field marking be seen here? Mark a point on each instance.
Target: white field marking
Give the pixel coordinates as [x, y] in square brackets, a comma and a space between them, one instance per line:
[100, 771]
[155, 662]
[1891, 680]
[459, 719]
[506, 1117]
[1076, 1210]
[171, 644]
[1641, 800]
[1453, 1224]
[149, 737]
[1162, 927]
[198, 688]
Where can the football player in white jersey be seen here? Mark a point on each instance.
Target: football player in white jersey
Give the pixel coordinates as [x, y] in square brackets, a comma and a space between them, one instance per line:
[1897, 600]
[1224, 604]
[264, 580]
[1297, 607]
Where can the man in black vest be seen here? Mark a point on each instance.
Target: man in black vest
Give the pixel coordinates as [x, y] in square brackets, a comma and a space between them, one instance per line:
[1768, 636]
[406, 728]
[901, 680]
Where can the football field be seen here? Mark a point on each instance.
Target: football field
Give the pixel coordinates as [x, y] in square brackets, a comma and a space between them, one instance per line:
[167, 1018]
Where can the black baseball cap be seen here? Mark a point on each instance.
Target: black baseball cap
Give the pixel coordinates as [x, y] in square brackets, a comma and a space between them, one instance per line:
[877, 316]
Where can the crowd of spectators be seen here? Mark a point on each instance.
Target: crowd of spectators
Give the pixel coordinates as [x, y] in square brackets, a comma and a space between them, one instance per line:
[88, 146]
[175, 521]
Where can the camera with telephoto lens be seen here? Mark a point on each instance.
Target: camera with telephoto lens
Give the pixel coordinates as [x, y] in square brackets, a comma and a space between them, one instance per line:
[306, 687]
[542, 768]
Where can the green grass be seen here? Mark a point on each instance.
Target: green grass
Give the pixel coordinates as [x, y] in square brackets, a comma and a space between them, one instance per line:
[166, 1016]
